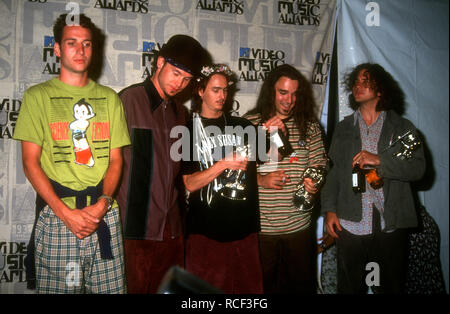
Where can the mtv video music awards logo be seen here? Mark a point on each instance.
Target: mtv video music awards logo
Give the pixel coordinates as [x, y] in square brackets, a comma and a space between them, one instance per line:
[321, 68]
[149, 51]
[48, 56]
[299, 12]
[255, 64]
[136, 6]
[12, 256]
[9, 111]
[224, 6]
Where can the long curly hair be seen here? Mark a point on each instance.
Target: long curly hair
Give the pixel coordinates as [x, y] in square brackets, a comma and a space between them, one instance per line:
[305, 107]
[391, 95]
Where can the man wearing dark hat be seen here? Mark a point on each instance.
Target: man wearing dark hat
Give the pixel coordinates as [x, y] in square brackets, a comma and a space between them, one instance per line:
[148, 193]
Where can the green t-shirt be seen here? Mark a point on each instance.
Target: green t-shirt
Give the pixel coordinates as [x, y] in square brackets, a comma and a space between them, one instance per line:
[76, 128]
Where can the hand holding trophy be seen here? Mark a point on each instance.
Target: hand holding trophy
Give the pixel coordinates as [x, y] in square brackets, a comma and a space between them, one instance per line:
[235, 189]
[410, 142]
[303, 200]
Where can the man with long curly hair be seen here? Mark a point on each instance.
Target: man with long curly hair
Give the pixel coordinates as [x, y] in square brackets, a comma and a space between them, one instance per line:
[287, 238]
[371, 226]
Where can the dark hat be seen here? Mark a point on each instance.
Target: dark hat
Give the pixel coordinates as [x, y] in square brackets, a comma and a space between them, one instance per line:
[184, 52]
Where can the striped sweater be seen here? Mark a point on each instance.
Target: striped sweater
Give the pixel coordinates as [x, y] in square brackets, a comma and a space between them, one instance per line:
[278, 214]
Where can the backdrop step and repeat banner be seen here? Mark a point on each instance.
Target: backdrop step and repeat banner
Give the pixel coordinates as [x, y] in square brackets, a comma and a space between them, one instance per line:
[252, 36]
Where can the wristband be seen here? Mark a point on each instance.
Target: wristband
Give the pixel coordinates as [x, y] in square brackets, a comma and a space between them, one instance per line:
[108, 199]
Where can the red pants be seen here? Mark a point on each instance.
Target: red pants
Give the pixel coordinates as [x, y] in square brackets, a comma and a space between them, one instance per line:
[233, 267]
[148, 261]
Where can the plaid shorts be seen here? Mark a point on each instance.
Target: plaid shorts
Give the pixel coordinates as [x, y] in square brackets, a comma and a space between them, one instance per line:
[66, 264]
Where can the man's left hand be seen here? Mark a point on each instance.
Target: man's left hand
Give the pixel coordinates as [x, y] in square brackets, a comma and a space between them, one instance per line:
[275, 122]
[98, 210]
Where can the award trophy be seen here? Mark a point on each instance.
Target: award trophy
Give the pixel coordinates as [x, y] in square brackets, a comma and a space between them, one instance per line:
[235, 189]
[303, 200]
[410, 142]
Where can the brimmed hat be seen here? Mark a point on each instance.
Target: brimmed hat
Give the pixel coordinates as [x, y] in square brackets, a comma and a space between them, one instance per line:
[184, 52]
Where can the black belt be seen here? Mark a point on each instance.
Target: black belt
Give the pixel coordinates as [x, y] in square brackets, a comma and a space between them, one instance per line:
[103, 232]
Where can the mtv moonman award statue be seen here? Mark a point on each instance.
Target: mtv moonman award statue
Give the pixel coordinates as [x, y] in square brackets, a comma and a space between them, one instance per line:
[303, 200]
[235, 188]
[410, 142]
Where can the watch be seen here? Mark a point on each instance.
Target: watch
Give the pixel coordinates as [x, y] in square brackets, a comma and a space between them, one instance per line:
[108, 199]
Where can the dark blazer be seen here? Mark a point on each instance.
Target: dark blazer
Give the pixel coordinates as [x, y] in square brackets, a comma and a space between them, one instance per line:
[337, 194]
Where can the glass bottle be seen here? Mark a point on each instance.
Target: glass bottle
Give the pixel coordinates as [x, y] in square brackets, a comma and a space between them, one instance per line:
[358, 180]
[281, 142]
[373, 178]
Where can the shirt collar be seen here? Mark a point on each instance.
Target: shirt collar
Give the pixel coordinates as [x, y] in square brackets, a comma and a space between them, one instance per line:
[153, 95]
[357, 116]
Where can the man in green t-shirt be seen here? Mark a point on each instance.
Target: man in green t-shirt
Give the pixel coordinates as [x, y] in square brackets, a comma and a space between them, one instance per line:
[72, 132]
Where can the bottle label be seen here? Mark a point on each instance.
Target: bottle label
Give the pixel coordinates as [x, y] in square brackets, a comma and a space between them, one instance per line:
[276, 139]
[354, 180]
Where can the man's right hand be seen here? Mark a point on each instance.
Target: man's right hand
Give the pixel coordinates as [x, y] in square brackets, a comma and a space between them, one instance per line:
[234, 161]
[199, 179]
[273, 180]
[332, 220]
[80, 222]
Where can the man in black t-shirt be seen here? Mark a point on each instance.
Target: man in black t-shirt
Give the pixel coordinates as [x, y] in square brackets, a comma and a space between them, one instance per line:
[220, 175]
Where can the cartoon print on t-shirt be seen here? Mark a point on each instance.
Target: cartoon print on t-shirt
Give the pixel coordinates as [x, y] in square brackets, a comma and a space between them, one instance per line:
[82, 112]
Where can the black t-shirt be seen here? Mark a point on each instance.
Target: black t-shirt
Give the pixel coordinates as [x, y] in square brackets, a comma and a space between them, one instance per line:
[211, 214]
